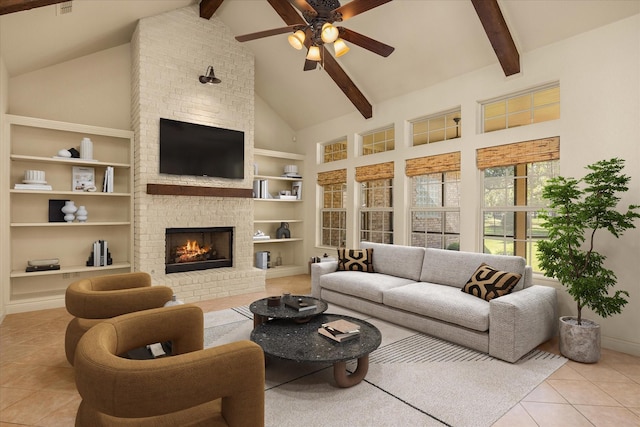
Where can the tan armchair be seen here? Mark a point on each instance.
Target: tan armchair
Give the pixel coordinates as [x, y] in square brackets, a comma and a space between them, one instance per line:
[219, 386]
[103, 297]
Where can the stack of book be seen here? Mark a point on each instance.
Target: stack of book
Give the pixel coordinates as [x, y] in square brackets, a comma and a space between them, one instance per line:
[107, 183]
[100, 256]
[299, 303]
[340, 330]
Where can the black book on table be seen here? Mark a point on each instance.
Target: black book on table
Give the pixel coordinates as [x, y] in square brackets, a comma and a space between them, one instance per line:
[300, 304]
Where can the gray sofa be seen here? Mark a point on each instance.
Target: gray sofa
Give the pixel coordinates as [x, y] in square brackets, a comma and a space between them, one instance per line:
[421, 289]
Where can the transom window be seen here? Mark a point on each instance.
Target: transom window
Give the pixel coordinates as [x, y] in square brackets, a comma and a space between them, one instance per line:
[334, 151]
[436, 128]
[378, 141]
[534, 106]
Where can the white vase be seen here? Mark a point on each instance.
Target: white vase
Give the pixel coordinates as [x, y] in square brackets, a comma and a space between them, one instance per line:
[68, 210]
[174, 301]
[81, 214]
[86, 149]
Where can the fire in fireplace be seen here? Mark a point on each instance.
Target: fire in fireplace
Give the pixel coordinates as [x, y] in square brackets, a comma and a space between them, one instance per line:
[189, 249]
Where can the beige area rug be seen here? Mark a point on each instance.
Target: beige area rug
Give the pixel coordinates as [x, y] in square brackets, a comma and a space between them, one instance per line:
[413, 380]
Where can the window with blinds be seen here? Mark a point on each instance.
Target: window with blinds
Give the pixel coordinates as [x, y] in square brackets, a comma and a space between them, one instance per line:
[534, 106]
[513, 176]
[435, 201]
[333, 213]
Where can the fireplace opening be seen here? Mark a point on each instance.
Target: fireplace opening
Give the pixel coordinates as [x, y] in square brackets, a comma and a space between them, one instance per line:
[190, 249]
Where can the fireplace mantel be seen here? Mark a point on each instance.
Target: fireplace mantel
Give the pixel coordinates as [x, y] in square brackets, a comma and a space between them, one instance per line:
[192, 190]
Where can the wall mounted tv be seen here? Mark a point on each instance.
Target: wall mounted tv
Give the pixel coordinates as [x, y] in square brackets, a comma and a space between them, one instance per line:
[199, 150]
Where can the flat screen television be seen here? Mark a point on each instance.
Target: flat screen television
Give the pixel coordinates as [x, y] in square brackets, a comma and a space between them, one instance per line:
[199, 150]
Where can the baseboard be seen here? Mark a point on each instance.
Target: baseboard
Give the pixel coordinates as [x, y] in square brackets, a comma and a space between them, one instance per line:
[632, 348]
[23, 307]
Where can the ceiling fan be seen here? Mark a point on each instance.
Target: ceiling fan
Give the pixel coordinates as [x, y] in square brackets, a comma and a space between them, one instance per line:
[310, 23]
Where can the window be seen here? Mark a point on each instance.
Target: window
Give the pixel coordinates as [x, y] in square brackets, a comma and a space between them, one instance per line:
[436, 128]
[333, 214]
[376, 202]
[538, 105]
[378, 141]
[435, 201]
[512, 197]
[334, 151]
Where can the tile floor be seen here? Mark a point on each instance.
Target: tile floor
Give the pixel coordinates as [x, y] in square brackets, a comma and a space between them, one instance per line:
[37, 386]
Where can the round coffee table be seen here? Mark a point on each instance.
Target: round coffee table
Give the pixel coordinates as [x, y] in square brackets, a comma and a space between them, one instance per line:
[262, 311]
[301, 342]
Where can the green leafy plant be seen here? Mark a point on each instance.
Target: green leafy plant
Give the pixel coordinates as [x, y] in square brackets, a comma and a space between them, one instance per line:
[577, 210]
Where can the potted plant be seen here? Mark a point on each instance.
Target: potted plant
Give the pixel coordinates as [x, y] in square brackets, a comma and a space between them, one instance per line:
[578, 209]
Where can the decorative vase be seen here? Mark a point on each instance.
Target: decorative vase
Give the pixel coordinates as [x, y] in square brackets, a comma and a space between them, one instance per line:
[173, 301]
[86, 149]
[68, 210]
[283, 231]
[81, 214]
[580, 343]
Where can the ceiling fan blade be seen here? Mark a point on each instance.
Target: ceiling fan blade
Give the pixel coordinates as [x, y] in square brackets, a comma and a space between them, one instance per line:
[347, 86]
[356, 7]
[287, 12]
[366, 42]
[209, 7]
[266, 33]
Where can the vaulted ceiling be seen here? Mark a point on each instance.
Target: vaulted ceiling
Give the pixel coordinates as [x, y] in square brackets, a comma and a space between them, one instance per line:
[434, 40]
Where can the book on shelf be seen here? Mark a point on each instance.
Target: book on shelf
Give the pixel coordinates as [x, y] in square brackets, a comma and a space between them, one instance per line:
[83, 179]
[107, 184]
[300, 304]
[37, 187]
[340, 330]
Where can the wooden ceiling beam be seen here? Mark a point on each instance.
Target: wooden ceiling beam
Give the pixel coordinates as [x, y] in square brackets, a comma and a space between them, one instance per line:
[496, 28]
[11, 6]
[209, 7]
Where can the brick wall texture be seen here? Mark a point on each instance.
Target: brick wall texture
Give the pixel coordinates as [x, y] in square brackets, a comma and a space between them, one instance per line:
[170, 51]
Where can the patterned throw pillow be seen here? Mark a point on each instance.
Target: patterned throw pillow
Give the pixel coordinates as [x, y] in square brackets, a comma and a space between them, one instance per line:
[355, 260]
[488, 283]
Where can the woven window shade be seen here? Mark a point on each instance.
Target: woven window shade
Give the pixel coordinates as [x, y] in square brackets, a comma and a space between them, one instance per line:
[539, 150]
[332, 177]
[373, 172]
[432, 164]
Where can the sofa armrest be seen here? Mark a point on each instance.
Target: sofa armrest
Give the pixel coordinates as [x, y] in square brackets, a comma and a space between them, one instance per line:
[319, 269]
[522, 320]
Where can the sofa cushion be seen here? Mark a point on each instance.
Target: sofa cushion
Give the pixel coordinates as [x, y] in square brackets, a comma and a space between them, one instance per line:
[441, 302]
[454, 268]
[488, 283]
[397, 260]
[355, 260]
[369, 286]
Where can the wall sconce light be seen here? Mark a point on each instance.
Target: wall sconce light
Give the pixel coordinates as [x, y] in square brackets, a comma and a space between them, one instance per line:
[210, 77]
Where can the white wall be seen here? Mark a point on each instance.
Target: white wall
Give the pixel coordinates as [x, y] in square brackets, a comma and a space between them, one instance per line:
[4, 183]
[272, 132]
[599, 75]
[93, 90]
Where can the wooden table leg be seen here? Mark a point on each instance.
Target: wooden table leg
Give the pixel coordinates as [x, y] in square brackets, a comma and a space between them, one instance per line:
[345, 380]
[259, 320]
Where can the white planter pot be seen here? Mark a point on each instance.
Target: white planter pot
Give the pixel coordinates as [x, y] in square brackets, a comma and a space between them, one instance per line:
[580, 343]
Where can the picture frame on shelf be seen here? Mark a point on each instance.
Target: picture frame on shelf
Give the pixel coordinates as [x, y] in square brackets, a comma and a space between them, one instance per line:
[296, 189]
[83, 178]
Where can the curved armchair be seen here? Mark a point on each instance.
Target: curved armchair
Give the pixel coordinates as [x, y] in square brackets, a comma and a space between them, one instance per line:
[219, 386]
[97, 298]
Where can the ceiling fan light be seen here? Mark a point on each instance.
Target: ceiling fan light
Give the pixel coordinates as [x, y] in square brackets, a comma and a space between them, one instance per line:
[340, 47]
[329, 33]
[314, 53]
[296, 40]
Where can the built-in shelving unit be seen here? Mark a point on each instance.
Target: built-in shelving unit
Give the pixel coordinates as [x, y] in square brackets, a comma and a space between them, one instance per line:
[32, 144]
[269, 213]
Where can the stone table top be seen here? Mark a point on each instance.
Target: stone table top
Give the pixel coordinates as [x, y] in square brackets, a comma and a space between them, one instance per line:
[301, 342]
[281, 311]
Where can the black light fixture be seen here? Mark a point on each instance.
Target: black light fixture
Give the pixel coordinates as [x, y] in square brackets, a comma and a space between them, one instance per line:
[210, 78]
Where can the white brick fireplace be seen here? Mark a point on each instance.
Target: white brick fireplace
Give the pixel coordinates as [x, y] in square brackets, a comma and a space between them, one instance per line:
[169, 52]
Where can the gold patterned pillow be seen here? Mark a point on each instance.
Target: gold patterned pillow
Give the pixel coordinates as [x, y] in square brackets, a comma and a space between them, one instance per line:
[355, 260]
[488, 283]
